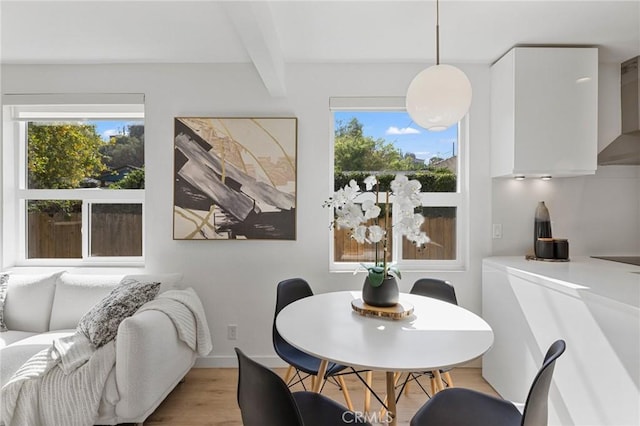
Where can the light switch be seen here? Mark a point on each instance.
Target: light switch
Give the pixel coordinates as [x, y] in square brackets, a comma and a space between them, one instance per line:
[497, 231]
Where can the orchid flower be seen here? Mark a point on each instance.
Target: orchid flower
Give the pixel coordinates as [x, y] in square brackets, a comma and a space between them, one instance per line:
[419, 239]
[370, 182]
[371, 209]
[353, 215]
[359, 234]
[376, 233]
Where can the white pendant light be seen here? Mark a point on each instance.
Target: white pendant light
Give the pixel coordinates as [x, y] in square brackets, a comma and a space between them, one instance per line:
[439, 96]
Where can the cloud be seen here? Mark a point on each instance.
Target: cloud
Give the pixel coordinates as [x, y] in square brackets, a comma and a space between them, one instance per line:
[401, 131]
[110, 132]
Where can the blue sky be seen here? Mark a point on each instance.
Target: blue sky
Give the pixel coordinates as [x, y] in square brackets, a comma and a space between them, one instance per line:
[398, 128]
[106, 129]
[393, 126]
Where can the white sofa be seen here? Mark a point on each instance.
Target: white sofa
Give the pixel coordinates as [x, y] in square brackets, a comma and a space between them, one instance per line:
[150, 359]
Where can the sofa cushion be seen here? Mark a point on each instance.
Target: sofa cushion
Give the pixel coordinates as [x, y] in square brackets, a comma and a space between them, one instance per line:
[101, 323]
[28, 303]
[4, 279]
[76, 294]
[168, 281]
[17, 353]
[10, 336]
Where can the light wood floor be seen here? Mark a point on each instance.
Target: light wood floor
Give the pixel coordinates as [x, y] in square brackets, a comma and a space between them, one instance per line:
[208, 397]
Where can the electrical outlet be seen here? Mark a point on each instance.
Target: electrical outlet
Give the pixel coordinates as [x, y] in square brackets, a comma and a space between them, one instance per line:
[497, 231]
[232, 332]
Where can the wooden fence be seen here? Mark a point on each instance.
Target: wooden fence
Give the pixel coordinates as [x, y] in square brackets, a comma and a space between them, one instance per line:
[60, 235]
[441, 230]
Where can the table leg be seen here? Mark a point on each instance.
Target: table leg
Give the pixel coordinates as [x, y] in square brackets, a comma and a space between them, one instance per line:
[367, 393]
[383, 410]
[391, 398]
[322, 370]
[439, 385]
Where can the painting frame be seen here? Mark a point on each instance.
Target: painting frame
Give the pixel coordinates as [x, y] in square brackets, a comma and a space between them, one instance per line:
[235, 178]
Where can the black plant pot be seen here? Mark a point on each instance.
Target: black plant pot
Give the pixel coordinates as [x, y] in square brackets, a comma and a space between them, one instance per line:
[385, 295]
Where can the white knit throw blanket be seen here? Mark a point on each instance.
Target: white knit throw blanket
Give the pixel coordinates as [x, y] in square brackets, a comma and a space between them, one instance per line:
[60, 385]
[63, 384]
[187, 313]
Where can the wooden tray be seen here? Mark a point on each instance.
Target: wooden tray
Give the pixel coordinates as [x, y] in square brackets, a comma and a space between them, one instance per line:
[399, 311]
[532, 257]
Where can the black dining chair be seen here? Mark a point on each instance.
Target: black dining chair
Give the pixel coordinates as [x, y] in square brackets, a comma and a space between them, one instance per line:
[265, 400]
[288, 291]
[441, 290]
[462, 407]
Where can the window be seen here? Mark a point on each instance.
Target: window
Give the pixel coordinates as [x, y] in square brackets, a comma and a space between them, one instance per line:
[377, 136]
[73, 174]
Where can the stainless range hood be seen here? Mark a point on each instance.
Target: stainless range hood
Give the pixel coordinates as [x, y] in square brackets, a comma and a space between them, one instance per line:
[625, 149]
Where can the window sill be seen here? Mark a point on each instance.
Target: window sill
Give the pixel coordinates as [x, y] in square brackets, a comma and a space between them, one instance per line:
[79, 263]
[423, 268]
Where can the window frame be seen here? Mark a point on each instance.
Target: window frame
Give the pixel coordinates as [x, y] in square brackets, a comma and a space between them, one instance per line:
[458, 199]
[18, 110]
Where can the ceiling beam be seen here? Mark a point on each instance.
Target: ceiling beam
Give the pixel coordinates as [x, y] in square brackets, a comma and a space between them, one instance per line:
[254, 24]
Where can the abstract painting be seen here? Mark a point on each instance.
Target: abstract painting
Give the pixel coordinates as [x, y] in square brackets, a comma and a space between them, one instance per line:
[234, 178]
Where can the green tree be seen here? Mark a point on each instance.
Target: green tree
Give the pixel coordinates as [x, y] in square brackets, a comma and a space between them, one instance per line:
[355, 151]
[137, 131]
[132, 180]
[125, 150]
[435, 160]
[411, 163]
[61, 155]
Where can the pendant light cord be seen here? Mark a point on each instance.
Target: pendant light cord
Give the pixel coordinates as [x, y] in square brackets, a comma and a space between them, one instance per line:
[437, 32]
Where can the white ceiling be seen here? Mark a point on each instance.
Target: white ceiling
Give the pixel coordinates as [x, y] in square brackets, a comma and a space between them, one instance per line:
[272, 33]
[308, 31]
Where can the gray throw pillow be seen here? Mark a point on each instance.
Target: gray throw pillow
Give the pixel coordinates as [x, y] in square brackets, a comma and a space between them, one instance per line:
[101, 323]
[4, 283]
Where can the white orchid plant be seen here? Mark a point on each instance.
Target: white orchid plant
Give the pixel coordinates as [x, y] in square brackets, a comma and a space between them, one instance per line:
[353, 214]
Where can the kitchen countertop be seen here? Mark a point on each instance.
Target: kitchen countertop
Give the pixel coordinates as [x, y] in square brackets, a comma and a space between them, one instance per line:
[612, 280]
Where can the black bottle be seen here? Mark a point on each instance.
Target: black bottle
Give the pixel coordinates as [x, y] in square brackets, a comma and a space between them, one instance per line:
[541, 226]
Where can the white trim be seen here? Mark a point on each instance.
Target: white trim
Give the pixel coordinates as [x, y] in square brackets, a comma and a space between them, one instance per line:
[50, 107]
[86, 228]
[458, 199]
[91, 194]
[221, 361]
[76, 112]
[60, 107]
[331, 184]
[67, 99]
[124, 262]
[272, 361]
[393, 103]
[10, 237]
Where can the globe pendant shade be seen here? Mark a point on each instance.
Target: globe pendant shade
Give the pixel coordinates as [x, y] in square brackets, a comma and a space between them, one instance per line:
[438, 97]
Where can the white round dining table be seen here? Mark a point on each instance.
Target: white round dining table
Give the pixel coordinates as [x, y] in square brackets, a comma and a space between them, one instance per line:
[436, 335]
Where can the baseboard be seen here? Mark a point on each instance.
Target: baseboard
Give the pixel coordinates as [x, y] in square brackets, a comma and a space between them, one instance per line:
[272, 361]
[218, 361]
[476, 363]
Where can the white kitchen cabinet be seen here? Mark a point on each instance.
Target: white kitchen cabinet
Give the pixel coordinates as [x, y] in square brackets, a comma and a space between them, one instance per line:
[544, 112]
[593, 305]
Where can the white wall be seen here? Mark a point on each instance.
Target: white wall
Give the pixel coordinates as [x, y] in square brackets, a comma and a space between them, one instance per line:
[599, 214]
[236, 279]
